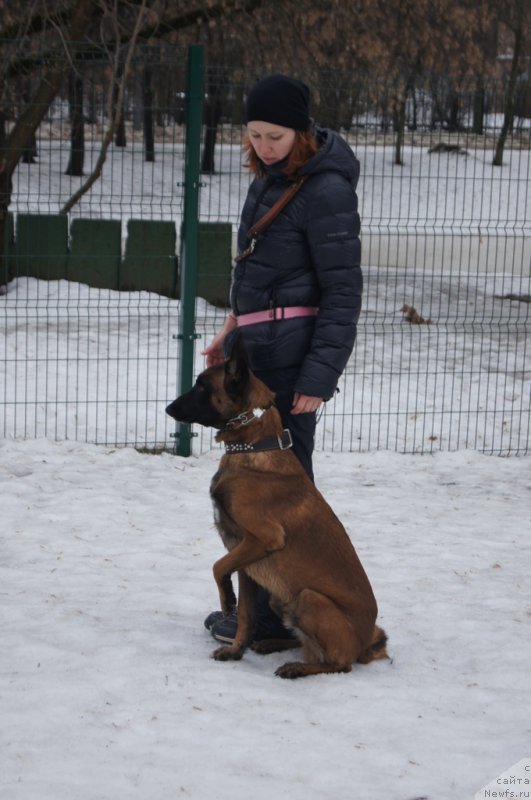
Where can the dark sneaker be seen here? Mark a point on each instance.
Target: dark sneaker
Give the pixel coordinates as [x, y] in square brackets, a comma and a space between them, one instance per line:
[223, 629]
[269, 627]
[213, 617]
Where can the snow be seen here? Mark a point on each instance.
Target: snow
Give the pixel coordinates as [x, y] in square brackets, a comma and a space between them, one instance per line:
[98, 366]
[106, 686]
[435, 191]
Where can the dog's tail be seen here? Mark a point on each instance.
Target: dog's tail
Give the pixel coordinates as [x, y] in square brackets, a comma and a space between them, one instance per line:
[377, 648]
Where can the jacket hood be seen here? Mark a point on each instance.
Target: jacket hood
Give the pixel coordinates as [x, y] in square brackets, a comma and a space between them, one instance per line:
[334, 155]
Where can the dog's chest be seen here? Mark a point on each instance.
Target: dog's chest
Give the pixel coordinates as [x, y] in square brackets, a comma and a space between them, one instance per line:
[228, 530]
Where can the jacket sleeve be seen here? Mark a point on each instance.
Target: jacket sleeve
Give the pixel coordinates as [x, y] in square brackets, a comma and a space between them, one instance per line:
[332, 233]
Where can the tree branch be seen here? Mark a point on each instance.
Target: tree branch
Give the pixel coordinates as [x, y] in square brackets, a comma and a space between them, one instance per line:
[107, 139]
[35, 110]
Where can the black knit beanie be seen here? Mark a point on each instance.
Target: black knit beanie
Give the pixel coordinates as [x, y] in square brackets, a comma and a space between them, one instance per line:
[281, 101]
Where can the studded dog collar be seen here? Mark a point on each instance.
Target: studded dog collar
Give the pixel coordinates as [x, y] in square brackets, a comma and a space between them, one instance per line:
[283, 442]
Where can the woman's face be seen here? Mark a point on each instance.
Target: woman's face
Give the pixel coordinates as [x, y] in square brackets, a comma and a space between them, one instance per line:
[271, 143]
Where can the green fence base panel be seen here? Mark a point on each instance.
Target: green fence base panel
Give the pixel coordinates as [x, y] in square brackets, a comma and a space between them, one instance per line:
[150, 263]
[41, 246]
[95, 252]
[215, 261]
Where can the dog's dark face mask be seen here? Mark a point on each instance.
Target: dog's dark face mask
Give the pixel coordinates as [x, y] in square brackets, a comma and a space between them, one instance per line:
[197, 406]
[218, 394]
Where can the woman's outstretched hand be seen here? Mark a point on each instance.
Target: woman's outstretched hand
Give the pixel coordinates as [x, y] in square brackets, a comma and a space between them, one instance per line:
[213, 352]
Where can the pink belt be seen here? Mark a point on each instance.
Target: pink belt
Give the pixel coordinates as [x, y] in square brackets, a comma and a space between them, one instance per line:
[275, 314]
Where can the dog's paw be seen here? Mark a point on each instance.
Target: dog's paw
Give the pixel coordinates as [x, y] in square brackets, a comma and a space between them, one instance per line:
[227, 653]
[293, 669]
[299, 669]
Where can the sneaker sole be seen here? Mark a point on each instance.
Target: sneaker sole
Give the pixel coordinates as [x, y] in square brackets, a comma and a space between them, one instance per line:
[221, 638]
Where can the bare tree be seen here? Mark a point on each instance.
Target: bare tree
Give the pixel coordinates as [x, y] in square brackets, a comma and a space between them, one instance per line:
[77, 129]
[335, 44]
[147, 102]
[115, 106]
[21, 135]
[52, 30]
[517, 18]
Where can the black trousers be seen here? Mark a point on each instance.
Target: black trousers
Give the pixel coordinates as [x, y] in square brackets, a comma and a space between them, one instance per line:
[301, 426]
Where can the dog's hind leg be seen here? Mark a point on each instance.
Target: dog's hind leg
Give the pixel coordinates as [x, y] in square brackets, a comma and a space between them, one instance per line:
[330, 642]
[266, 646]
[377, 648]
[297, 669]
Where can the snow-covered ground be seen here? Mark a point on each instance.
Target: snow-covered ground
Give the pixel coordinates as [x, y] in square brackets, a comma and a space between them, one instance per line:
[107, 689]
[442, 191]
[100, 366]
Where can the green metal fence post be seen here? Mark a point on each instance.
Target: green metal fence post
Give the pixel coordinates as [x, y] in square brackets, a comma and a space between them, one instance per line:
[189, 234]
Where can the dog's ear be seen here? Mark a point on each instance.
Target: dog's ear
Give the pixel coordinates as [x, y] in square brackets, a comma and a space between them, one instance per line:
[237, 370]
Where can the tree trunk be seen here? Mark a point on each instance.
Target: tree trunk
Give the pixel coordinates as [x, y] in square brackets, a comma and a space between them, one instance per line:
[120, 139]
[77, 129]
[4, 277]
[116, 92]
[479, 107]
[91, 114]
[400, 124]
[29, 152]
[33, 114]
[147, 101]
[212, 116]
[411, 90]
[5, 199]
[508, 111]
[453, 116]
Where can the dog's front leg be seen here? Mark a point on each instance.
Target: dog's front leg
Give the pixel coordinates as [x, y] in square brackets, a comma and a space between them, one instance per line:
[247, 591]
[227, 598]
[249, 550]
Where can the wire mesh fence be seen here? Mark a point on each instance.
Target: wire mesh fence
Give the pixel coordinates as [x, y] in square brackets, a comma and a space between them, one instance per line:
[91, 305]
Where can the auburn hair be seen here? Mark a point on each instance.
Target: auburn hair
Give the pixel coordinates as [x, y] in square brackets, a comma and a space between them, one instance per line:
[304, 147]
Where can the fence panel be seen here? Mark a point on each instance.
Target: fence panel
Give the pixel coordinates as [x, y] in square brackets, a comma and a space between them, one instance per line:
[445, 233]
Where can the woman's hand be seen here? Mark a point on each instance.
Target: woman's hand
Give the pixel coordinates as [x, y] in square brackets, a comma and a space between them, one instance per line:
[305, 404]
[214, 351]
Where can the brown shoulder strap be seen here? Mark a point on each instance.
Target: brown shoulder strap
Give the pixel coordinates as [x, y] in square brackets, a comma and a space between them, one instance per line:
[265, 221]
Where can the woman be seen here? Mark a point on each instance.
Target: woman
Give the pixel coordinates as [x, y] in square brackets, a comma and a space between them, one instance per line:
[305, 267]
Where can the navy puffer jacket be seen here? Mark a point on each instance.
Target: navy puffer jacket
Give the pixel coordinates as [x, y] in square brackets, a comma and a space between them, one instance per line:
[309, 256]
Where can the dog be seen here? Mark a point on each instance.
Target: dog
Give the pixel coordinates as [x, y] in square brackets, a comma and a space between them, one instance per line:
[279, 531]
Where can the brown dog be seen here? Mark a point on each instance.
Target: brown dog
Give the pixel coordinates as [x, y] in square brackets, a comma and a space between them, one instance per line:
[279, 531]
